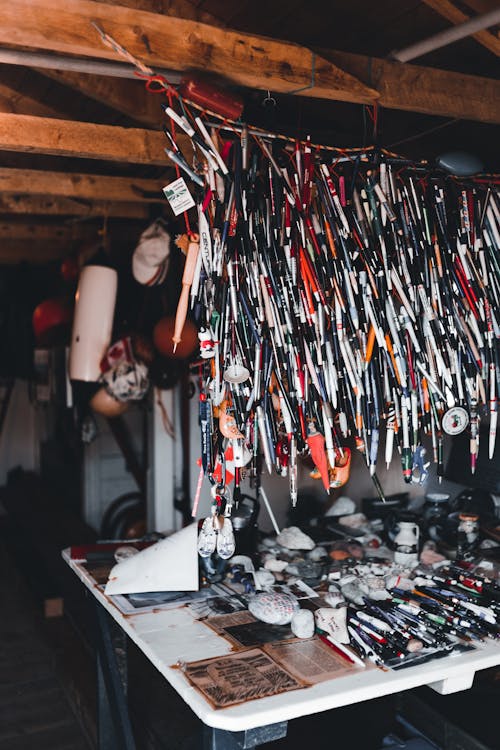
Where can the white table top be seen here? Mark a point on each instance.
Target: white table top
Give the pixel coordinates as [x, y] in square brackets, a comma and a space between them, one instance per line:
[169, 636]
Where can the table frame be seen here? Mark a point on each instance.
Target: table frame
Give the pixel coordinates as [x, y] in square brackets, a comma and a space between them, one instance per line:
[169, 636]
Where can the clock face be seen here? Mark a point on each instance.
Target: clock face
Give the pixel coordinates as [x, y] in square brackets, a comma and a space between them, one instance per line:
[455, 420]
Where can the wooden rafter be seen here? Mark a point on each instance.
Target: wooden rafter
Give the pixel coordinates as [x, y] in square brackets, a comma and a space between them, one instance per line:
[84, 140]
[415, 88]
[38, 232]
[82, 187]
[20, 240]
[481, 6]
[128, 97]
[14, 99]
[29, 251]
[405, 87]
[29, 205]
[450, 11]
[177, 44]
[190, 9]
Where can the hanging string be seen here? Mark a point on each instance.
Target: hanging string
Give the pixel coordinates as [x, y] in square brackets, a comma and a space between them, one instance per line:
[145, 72]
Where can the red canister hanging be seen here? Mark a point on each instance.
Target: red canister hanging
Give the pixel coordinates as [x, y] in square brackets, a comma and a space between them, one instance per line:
[224, 103]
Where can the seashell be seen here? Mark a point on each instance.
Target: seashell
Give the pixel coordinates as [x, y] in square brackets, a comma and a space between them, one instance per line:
[353, 520]
[379, 595]
[317, 554]
[275, 565]
[305, 569]
[293, 538]
[334, 622]
[393, 580]
[276, 609]
[303, 623]
[263, 578]
[334, 598]
[343, 506]
[353, 593]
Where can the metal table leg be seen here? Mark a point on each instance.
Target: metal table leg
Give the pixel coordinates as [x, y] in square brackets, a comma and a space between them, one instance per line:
[219, 739]
[114, 728]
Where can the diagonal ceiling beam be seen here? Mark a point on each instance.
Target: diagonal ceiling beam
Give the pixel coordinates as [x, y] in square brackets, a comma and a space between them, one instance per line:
[128, 97]
[450, 11]
[21, 230]
[416, 88]
[81, 187]
[40, 243]
[481, 6]
[17, 100]
[34, 205]
[28, 251]
[177, 44]
[84, 140]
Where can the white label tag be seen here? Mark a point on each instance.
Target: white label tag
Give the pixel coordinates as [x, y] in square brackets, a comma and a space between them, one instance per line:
[178, 195]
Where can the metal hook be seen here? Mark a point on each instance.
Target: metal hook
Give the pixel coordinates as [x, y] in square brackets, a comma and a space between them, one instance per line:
[269, 100]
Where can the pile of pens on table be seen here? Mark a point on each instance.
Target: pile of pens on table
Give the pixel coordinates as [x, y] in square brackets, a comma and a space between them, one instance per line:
[447, 611]
[339, 293]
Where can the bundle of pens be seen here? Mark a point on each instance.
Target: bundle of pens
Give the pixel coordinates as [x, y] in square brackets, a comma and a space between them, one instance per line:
[339, 294]
[452, 609]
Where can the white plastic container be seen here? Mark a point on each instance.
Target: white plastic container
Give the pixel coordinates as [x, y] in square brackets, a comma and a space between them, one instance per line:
[93, 321]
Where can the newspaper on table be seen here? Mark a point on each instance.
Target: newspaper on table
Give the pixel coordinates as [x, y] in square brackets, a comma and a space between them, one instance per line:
[239, 677]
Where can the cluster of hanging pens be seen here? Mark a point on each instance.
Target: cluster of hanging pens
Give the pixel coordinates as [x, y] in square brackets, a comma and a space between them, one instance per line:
[338, 295]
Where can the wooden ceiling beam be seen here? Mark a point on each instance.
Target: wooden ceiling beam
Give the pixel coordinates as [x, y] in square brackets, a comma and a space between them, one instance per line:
[190, 9]
[16, 100]
[449, 10]
[127, 97]
[415, 88]
[40, 243]
[28, 251]
[177, 44]
[83, 187]
[407, 87]
[481, 6]
[34, 205]
[39, 233]
[23, 133]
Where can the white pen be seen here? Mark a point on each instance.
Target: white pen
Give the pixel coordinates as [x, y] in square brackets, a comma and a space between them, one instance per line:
[330, 450]
[402, 295]
[208, 140]
[263, 439]
[292, 471]
[493, 411]
[389, 439]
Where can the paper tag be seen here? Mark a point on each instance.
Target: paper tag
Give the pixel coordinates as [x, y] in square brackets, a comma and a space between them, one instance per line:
[178, 195]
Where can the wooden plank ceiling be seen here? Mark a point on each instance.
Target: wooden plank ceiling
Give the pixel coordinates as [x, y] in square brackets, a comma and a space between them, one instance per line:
[79, 149]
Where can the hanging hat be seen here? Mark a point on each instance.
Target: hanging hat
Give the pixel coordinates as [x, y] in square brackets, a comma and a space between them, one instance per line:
[151, 258]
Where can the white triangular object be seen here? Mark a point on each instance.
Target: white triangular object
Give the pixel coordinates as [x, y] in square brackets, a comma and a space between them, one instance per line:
[169, 565]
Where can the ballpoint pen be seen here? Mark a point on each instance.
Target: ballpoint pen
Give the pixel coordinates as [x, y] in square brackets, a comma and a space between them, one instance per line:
[176, 157]
[474, 430]
[406, 454]
[345, 652]
[389, 437]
